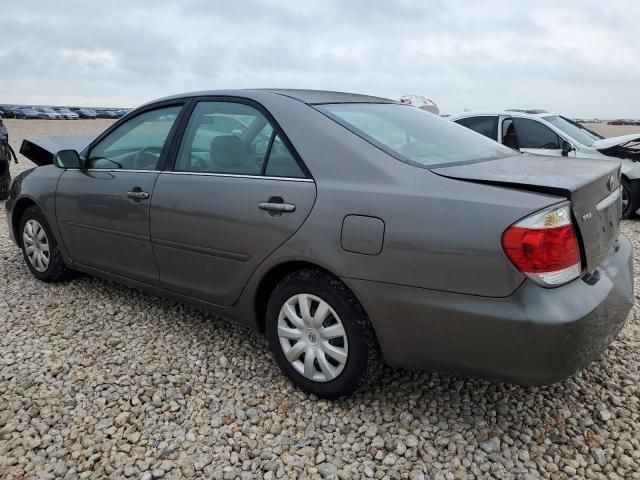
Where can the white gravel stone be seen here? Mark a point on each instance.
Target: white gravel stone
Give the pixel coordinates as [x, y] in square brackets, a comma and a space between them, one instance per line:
[101, 381]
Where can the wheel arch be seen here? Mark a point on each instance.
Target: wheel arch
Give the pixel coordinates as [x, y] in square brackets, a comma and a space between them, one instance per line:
[270, 280]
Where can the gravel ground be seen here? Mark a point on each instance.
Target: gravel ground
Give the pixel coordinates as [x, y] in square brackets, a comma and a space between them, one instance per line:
[102, 381]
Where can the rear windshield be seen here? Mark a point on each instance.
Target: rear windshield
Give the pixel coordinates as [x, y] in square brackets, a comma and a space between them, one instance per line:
[415, 136]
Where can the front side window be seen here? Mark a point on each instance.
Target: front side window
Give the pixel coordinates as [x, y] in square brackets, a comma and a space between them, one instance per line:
[533, 134]
[413, 135]
[233, 138]
[137, 143]
[485, 125]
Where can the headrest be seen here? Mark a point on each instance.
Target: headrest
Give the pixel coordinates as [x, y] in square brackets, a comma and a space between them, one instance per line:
[228, 151]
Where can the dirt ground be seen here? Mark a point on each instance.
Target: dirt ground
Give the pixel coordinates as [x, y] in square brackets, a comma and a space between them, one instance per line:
[612, 130]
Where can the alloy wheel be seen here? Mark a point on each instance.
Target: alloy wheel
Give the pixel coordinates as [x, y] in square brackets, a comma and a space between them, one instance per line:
[312, 337]
[36, 245]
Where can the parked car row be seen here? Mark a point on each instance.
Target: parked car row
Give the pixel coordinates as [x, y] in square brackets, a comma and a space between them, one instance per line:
[61, 113]
[622, 121]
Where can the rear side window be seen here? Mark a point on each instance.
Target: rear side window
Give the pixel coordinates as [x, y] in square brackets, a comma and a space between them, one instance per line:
[485, 125]
[281, 163]
[533, 134]
[233, 138]
[413, 135]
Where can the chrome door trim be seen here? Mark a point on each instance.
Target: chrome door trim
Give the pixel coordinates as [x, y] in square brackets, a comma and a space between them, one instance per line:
[234, 175]
[110, 170]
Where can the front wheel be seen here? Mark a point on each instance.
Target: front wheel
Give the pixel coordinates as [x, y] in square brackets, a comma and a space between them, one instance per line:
[40, 249]
[320, 335]
[630, 200]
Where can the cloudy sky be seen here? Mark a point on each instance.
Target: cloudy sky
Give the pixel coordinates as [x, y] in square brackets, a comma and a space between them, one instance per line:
[577, 57]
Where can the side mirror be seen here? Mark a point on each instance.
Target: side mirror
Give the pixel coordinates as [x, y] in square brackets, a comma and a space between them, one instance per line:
[566, 148]
[68, 159]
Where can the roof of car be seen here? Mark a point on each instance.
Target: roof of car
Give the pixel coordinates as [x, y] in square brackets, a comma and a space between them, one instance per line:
[311, 97]
[512, 112]
[325, 96]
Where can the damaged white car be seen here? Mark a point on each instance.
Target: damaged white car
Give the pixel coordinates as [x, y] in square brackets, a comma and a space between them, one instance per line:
[544, 133]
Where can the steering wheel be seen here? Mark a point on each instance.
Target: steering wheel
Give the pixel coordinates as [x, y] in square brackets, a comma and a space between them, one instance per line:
[152, 152]
[550, 146]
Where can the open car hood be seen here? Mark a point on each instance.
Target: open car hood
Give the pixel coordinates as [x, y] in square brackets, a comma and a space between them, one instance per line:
[622, 140]
[42, 150]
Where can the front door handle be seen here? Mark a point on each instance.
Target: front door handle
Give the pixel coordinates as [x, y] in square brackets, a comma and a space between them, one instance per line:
[277, 207]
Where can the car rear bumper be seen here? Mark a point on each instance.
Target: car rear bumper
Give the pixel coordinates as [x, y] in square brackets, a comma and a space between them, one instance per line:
[535, 336]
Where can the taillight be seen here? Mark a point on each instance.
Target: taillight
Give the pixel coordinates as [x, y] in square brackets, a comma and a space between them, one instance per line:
[544, 247]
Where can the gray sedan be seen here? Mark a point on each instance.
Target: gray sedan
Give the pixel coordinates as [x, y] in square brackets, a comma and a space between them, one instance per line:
[353, 230]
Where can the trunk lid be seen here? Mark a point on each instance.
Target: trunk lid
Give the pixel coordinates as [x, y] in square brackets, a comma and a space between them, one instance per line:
[593, 187]
[42, 150]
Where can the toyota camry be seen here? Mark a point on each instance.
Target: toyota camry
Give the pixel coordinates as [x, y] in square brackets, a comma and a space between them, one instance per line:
[353, 230]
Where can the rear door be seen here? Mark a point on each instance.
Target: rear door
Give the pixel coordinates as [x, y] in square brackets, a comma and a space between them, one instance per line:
[236, 192]
[486, 125]
[103, 210]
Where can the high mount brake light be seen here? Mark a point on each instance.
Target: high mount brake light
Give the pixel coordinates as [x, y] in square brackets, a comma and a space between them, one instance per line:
[544, 247]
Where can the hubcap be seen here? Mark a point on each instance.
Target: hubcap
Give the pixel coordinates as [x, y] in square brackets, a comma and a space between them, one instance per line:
[312, 337]
[36, 245]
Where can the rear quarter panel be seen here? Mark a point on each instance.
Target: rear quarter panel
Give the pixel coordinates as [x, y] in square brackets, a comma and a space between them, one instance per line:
[439, 234]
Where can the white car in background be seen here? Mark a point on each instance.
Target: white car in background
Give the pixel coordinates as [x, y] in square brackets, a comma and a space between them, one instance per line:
[543, 133]
[68, 114]
[421, 102]
[46, 113]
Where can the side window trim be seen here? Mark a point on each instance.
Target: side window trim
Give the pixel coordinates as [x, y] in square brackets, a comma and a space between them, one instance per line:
[187, 111]
[183, 103]
[267, 154]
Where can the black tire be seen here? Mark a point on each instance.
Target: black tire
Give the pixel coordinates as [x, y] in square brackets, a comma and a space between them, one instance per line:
[630, 193]
[364, 361]
[56, 270]
[5, 180]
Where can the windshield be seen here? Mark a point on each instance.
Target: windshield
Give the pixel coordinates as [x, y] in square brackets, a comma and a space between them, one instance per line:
[415, 136]
[574, 130]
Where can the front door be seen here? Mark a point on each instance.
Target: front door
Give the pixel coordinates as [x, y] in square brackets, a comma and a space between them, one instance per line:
[103, 209]
[236, 193]
[531, 136]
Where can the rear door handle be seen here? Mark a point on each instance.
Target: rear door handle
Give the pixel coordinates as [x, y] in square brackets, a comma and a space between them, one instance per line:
[138, 195]
[277, 207]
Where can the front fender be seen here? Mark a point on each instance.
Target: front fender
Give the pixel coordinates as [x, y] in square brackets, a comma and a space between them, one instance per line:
[630, 169]
[36, 186]
[15, 195]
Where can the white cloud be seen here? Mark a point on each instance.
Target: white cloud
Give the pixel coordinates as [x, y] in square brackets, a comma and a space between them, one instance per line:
[577, 57]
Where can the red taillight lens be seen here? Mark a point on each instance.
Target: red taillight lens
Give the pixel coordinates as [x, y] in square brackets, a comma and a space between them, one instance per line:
[544, 247]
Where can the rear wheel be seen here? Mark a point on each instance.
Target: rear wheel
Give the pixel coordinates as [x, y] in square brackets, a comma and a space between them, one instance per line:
[40, 249]
[320, 335]
[630, 200]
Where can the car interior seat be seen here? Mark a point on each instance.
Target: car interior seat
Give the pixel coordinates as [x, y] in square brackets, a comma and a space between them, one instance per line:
[229, 155]
[510, 138]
